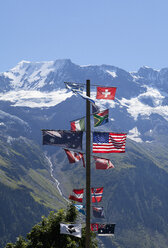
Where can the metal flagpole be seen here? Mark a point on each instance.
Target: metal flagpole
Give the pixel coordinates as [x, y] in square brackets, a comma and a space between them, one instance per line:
[88, 130]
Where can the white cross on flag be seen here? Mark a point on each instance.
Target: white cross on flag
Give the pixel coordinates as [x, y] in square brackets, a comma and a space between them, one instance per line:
[106, 93]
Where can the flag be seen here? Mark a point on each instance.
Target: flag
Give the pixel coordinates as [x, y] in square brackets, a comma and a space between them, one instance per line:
[68, 139]
[106, 229]
[71, 229]
[98, 212]
[87, 98]
[95, 109]
[94, 227]
[108, 142]
[97, 194]
[74, 156]
[101, 118]
[78, 89]
[106, 93]
[77, 195]
[75, 87]
[78, 125]
[103, 163]
[80, 208]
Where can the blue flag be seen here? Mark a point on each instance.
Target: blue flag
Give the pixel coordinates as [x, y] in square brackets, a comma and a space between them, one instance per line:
[74, 87]
[80, 208]
[106, 229]
[95, 109]
[87, 98]
[64, 138]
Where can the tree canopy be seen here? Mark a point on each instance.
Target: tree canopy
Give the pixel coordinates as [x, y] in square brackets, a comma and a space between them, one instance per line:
[46, 234]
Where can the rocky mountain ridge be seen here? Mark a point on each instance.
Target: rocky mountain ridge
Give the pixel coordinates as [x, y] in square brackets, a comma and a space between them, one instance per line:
[33, 97]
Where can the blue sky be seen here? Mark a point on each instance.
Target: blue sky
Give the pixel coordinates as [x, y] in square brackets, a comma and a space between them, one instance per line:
[123, 33]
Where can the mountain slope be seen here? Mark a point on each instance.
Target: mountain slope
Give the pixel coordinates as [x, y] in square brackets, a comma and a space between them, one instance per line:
[33, 97]
[27, 189]
[135, 195]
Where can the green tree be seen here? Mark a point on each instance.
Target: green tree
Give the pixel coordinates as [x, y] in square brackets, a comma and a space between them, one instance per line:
[20, 243]
[46, 234]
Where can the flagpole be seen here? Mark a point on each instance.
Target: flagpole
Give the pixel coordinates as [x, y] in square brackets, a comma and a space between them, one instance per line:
[88, 130]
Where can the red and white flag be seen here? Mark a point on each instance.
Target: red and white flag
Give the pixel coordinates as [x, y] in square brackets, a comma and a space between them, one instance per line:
[77, 195]
[94, 227]
[78, 125]
[103, 163]
[97, 194]
[104, 142]
[107, 93]
[74, 156]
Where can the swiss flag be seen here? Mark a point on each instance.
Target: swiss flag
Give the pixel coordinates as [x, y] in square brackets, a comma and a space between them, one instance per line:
[106, 93]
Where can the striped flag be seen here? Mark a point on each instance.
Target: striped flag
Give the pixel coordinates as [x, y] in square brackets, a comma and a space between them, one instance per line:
[78, 125]
[108, 142]
[77, 195]
[97, 194]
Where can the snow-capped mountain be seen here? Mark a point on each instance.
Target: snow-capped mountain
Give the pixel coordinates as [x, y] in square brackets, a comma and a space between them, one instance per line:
[33, 97]
[140, 107]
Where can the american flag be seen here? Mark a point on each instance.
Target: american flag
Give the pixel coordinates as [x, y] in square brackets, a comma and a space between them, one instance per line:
[104, 142]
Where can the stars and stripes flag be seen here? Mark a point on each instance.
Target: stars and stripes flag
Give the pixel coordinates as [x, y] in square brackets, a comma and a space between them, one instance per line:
[97, 194]
[74, 156]
[104, 142]
[103, 163]
[77, 195]
[107, 93]
[63, 138]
